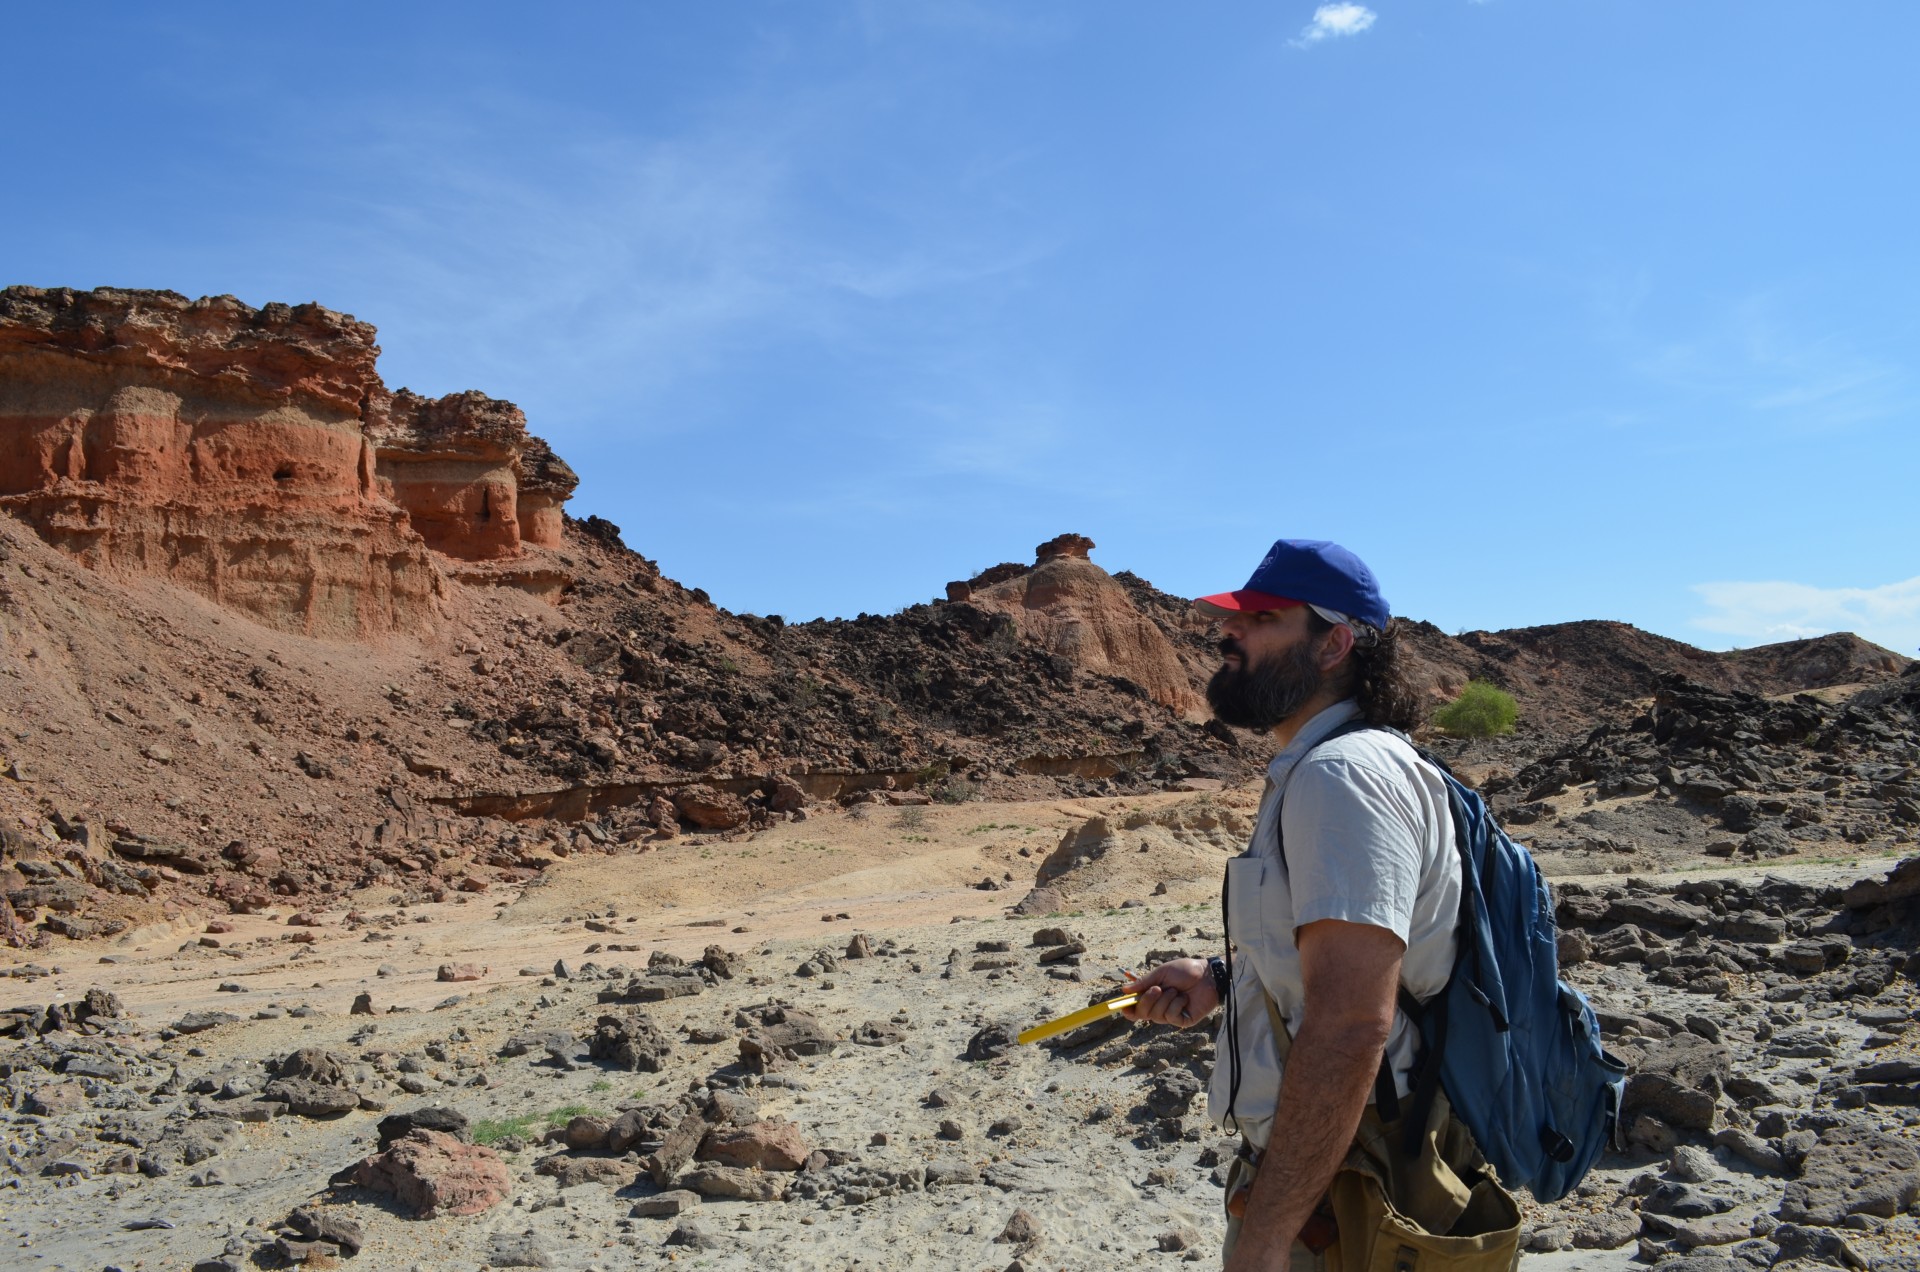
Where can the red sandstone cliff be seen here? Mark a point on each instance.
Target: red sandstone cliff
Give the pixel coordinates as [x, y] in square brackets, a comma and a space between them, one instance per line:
[1069, 606]
[254, 456]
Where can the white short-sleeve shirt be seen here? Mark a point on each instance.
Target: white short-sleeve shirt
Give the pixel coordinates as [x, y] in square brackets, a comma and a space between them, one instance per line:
[1369, 839]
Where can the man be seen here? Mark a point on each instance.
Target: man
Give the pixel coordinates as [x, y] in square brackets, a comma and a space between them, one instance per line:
[1362, 899]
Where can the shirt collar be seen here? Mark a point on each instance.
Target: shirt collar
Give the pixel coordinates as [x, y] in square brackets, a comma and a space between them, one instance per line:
[1311, 734]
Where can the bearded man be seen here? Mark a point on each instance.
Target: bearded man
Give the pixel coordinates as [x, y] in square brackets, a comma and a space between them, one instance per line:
[1348, 893]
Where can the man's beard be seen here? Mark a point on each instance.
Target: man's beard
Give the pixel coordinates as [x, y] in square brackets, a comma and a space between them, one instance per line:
[1260, 697]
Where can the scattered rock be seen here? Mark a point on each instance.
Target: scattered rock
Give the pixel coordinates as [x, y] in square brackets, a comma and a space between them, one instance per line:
[309, 1224]
[991, 1042]
[692, 1235]
[767, 1145]
[200, 1021]
[430, 1173]
[516, 1250]
[630, 1041]
[665, 1205]
[429, 1117]
[569, 1171]
[312, 1099]
[586, 1133]
[735, 1183]
[1021, 1229]
[677, 1149]
[1853, 1170]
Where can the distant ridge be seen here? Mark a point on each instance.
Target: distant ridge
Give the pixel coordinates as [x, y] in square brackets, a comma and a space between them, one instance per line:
[270, 632]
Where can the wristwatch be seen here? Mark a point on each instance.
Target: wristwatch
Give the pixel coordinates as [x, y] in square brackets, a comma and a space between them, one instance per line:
[1217, 967]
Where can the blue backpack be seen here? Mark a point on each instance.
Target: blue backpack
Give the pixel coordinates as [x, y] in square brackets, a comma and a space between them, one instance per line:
[1516, 1048]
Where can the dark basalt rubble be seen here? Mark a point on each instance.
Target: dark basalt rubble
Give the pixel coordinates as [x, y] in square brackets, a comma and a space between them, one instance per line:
[948, 687]
[1733, 772]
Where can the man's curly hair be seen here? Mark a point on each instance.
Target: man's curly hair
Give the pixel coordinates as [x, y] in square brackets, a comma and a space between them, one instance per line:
[1379, 679]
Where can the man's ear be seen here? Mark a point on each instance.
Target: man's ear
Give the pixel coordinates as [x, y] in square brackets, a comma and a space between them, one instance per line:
[1338, 644]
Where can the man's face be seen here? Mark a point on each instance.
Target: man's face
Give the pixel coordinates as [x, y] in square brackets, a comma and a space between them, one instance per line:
[1270, 668]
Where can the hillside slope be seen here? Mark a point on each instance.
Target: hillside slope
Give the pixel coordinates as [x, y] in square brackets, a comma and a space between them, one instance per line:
[273, 632]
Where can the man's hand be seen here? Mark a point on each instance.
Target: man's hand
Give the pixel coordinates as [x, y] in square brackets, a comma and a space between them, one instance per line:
[1179, 993]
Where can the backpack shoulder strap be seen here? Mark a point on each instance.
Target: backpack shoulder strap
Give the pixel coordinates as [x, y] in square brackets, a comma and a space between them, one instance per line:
[1386, 1092]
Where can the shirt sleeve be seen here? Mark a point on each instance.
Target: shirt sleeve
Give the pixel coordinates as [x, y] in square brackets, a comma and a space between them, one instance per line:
[1351, 842]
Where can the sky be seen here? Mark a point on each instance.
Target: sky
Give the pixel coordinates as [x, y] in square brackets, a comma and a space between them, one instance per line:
[1549, 309]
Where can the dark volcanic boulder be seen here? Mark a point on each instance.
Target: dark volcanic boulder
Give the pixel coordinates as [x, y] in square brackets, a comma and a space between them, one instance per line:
[776, 1032]
[312, 1099]
[631, 1042]
[431, 1117]
[991, 1042]
[317, 1065]
[1853, 1170]
[1679, 1083]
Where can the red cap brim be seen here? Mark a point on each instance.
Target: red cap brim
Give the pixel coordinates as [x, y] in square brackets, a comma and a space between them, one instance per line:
[1244, 601]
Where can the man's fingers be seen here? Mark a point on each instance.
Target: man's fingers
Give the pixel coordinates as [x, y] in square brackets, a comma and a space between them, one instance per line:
[1166, 1007]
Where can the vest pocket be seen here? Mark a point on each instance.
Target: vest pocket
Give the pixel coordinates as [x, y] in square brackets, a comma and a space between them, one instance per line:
[1244, 877]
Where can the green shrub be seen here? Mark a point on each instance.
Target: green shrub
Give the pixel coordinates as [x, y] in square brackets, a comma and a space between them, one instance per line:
[1481, 711]
[955, 790]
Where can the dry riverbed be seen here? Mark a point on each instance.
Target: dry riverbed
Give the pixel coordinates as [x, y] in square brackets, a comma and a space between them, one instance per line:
[831, 1087]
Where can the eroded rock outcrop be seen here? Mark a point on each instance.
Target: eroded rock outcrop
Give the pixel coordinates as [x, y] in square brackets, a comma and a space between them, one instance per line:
[1071, 607]
[476, 484]
[254, 456]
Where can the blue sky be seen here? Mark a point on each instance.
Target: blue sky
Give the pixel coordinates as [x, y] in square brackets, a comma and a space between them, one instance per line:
[1552, 309]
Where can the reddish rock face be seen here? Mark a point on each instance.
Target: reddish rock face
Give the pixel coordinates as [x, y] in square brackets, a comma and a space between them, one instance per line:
[431, 1173]
[710, 809]
[1072, 607]
[254, 456]
[768, 1145]
[1065, 545]
[475, 483]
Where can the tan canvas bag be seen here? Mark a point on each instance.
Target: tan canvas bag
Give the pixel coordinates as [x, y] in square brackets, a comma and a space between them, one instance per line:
[1437, 1211]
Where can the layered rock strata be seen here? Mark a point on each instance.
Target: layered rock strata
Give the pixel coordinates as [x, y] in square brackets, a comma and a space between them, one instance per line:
[254, 456]
[1071, 607]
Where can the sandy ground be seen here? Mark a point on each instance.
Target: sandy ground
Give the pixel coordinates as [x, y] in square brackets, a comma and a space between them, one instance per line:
[1103, 1188]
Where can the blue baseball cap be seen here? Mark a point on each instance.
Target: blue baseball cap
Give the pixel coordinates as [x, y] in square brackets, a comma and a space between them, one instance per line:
[1306, 572]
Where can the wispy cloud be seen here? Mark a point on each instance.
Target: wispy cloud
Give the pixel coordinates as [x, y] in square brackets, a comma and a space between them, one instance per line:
[569, 262]
[1760, 613]
[1757, 358]
[1330, 20]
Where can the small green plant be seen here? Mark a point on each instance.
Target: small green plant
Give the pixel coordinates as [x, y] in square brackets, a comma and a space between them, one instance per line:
[600, 1084]
[492, 1131]
[1481, 711]
[567, 1112]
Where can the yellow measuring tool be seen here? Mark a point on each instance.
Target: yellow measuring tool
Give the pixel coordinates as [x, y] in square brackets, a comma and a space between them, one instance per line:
[1075, 1019]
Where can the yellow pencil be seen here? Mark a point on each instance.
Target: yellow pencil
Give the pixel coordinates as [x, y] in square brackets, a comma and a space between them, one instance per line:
[1075, 1019]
